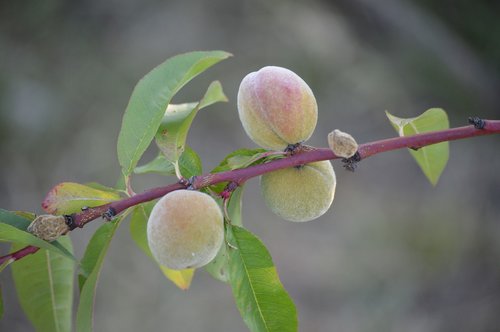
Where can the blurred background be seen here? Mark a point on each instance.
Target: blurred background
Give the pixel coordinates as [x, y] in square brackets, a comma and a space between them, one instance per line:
[392, 254]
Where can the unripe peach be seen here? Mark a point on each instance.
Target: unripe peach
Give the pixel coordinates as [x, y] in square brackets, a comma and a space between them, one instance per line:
[300, 193]
[185, 229]
[276, 108]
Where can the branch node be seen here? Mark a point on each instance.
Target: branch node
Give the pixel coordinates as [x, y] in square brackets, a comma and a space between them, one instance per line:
[477, 122]
[292, 149]
[414, 148]
[109, 214]
[351, 164]
[188, 183]
[69, 219]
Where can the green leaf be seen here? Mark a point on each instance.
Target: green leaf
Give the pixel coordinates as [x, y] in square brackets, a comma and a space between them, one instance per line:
[173, 130]
[219, 266]
[44, 285]
[260, 297]
[431, 159]
[138, 226]
[91, 265]
[150, 98]
[13, 229]
[189, 165]
[238, 159]
[242, 158]
[69, 197]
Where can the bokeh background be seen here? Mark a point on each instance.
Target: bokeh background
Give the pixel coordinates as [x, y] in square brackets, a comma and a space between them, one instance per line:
[392, 254]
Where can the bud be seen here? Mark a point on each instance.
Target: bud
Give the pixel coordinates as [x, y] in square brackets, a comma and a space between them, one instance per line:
[48, 227]
[342, 144]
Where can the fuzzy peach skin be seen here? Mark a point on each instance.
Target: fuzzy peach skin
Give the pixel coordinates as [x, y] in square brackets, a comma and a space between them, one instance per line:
[276, 108]
[185, 229]
[300, 193]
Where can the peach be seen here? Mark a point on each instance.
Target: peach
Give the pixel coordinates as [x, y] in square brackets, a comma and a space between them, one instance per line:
[185, 229]
[300, 193]
[276, 108]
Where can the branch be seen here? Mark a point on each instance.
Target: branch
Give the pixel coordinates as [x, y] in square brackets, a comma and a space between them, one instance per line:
[308, 155]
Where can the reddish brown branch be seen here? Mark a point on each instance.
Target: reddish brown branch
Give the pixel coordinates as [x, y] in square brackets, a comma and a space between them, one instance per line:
[240, 175]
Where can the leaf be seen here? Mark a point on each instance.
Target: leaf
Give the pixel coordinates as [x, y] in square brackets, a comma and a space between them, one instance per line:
[431, 159]
[239, 159]
[172, 132]
[189, 165]
[13, 229]
[138, 226]
[219, 266]
[260, 297]
[102, 187]
[91, 265]
[44, 285]
[181, 278]
[70, 197]
[150, 98]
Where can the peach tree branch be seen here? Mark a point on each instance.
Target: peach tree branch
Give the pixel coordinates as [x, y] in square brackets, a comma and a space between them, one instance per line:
[305, 156]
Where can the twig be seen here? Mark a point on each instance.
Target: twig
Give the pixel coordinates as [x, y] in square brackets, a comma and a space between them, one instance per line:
[488, 127]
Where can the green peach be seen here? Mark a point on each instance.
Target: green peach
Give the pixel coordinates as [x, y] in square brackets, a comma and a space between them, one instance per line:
[276, 108]
[185, 229]
[300, 193]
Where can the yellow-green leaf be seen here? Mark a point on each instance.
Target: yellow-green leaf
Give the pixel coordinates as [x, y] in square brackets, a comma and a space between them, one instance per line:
[432, 159]
[181, 278]
[70, 197]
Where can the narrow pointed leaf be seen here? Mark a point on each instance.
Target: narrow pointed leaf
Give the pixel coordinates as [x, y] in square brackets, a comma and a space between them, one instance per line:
[173, 130]
[260, 297]
[69, 197]
[13, 229]
[138, 226]
[150, 98]
[219, 266]
[431, 159]
[91, 265]
[44, 285]
[189, 165]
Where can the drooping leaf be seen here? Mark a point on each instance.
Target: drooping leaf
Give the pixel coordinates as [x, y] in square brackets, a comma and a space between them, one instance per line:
[44, 285]
[70, 197]
[260, 297]
[432, 159]
[13, 229]
[138, 226]
[173, 130]
[189, 165]
[91, 265]
[150, 98]
[219, 266]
